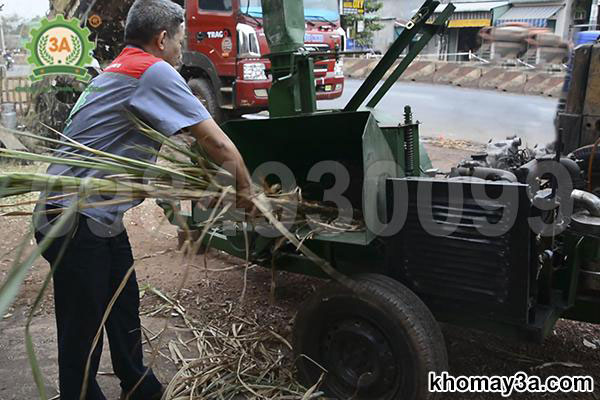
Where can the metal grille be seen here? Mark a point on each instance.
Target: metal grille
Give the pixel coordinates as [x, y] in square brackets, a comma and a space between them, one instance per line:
[471, 15]
[463, 265]
[452, 265]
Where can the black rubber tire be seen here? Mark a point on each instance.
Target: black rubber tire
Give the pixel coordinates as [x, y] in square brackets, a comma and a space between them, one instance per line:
[583, 155]
[394, 341]
[428, 320]
[585, 152]
[204, 91]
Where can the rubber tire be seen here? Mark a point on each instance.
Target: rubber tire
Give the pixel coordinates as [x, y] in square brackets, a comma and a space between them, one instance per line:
[407, 320]
[203, 90]
[584, 153]
[428, 320]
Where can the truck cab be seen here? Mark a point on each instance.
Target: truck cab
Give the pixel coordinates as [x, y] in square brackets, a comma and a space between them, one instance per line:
[224, 61]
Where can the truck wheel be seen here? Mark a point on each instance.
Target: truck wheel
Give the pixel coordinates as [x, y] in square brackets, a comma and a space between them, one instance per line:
[377, 341]
[203, 90]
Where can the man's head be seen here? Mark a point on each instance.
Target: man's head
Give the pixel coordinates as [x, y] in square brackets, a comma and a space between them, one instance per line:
[157, 27]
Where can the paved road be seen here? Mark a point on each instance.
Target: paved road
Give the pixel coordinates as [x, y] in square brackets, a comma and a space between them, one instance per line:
[454, 112]
[19, 70]
[461, 113]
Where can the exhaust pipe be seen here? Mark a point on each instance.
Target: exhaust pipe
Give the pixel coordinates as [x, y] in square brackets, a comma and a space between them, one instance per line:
[587, 200]
[489, 174]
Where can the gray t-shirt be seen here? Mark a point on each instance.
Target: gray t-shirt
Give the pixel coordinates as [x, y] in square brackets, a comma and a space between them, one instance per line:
[139, 83]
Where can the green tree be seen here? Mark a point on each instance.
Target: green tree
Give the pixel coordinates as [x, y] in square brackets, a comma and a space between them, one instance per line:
[12, 23]
[369, 21]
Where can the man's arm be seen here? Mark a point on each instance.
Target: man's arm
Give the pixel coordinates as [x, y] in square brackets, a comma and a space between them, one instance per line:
[165, 101]
[223, 152]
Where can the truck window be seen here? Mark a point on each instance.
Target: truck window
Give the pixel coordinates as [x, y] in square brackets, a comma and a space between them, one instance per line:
[215, 5]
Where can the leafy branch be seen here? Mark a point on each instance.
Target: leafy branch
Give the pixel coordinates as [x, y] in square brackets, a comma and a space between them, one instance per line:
[371, 24]
[43, 51]
[76, 53]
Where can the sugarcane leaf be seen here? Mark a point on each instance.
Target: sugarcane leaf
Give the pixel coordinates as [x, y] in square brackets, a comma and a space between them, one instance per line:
[128, 161]
[158, 137]
[22, 155]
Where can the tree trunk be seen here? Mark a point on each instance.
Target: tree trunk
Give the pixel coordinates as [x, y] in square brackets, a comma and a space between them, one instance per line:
[107, 30]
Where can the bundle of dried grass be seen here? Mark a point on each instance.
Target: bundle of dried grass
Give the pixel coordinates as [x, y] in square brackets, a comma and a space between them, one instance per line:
[234, 359]
[242, 358]
[181, 173]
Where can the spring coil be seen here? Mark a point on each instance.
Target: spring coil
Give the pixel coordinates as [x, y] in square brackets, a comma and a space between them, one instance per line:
[409, 140]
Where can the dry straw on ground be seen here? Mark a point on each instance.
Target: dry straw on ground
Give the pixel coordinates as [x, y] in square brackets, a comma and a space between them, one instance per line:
[240, 360]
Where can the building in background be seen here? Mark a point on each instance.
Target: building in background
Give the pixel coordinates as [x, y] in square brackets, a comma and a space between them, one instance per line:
[462, 36]
[556, 16]
[390, 16]
[561, 17]
[463, 26]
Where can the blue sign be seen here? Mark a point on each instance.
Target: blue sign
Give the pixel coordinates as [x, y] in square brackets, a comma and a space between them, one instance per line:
[586, 37]
[313, 38]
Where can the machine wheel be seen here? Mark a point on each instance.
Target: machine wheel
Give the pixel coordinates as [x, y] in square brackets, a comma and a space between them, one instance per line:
[378, 341]
[203, 90]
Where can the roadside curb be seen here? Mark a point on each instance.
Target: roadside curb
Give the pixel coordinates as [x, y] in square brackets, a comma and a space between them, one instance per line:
[482, 77]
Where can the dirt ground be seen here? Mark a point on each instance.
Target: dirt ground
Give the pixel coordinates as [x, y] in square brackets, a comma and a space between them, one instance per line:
[214, 294]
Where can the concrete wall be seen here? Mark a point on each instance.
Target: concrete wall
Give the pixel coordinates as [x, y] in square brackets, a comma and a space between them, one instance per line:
[385, 37]
[465, 75]
[564, 18]
[396, 9]
[499, 11]
[433, 47]
[391, 10]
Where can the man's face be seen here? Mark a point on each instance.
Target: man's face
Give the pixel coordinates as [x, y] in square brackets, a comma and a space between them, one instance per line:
[172, 47]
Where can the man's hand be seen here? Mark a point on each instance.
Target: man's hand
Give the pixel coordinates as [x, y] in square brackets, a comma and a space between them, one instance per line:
[223, 152]
[244, 200]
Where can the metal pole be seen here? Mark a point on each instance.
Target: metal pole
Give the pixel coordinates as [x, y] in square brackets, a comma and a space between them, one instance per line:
[403, 41]
[594, 15]
[428, 31]
[2, 35]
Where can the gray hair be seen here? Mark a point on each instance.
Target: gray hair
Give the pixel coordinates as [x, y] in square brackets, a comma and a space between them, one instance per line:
[147, 18]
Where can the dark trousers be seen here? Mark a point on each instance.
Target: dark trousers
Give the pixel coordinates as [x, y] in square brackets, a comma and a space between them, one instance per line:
[85, 279]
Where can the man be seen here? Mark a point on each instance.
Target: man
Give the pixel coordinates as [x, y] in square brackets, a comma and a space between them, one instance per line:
[9, 61]
[142, 81]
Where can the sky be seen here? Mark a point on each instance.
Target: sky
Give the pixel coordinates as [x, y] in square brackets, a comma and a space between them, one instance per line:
[25, 8]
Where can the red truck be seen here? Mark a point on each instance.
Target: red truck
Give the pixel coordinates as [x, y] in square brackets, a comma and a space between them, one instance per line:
[224, 64]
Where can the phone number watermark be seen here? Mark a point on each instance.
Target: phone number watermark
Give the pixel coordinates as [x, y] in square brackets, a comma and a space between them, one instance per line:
[508, 385]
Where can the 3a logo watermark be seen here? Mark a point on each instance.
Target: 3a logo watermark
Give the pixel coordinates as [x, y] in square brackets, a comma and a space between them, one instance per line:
[60, 47]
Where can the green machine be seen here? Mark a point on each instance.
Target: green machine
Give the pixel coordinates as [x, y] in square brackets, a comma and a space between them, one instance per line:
[495, 250]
